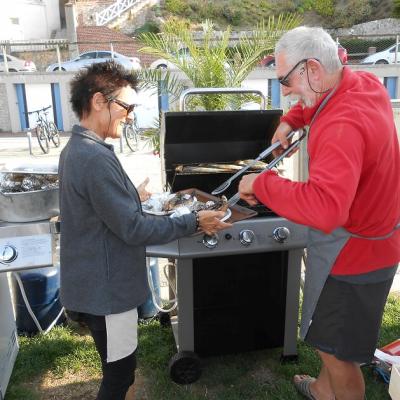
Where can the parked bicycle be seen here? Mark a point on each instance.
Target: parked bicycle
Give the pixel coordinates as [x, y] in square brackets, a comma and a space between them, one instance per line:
[45, 130]
[133, 135]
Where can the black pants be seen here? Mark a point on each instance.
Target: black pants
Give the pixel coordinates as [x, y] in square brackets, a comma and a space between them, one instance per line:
[117, 375]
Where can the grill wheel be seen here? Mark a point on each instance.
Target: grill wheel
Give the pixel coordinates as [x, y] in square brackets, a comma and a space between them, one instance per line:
[184, 367]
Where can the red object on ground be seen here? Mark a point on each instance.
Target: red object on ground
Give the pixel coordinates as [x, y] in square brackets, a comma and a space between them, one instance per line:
[392, 348]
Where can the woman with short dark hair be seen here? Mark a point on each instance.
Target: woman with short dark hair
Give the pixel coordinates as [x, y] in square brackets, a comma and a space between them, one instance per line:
[104, 232]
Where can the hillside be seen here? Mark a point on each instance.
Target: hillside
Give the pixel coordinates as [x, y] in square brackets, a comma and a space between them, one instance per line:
[243, 14]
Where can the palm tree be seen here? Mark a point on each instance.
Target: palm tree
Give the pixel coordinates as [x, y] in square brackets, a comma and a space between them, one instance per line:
[212, 62]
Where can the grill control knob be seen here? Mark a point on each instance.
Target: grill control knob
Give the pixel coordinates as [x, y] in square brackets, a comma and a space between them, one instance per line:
[246, 237]
[8, 254]
[210, 241]
[281, 234]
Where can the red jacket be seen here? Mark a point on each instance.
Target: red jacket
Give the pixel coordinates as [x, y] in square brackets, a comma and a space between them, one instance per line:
[354, 174]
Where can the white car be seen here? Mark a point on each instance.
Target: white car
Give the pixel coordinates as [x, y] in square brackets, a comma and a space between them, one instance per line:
[163, 63]
[383, 57]
[16, 64]
[91, 57]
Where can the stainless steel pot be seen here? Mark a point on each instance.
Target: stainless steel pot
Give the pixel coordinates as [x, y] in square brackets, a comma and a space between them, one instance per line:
[32, 205]
[29, 206]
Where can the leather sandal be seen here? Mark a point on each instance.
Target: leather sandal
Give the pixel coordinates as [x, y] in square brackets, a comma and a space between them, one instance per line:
[303, 386]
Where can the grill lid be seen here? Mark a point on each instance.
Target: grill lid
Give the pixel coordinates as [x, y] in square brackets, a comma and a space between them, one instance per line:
[215, 136]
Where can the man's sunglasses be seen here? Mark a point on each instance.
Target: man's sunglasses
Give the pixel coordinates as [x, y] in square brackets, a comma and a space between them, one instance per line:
[128, 107]
[284, 81]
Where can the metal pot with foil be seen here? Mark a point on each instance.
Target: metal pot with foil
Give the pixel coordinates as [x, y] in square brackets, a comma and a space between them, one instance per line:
[28, 192]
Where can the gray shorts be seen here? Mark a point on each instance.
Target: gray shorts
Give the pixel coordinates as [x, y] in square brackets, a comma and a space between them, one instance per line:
[347, 319]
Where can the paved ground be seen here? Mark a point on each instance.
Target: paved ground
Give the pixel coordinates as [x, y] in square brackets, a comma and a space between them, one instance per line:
[139, 165]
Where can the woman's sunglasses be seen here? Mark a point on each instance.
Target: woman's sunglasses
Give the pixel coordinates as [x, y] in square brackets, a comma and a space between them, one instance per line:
[128, 107]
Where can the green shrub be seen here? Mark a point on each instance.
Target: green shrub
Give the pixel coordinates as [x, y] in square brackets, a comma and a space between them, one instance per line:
[307, 5]
[355, 12]
[178, 7]
[150, 26]
[232, 15]
[326, 8]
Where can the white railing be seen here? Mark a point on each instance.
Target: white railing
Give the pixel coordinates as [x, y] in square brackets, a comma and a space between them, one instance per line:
[113, 11]
[33, 44]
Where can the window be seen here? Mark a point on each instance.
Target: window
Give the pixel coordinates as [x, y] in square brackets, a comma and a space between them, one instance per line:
[86, 56]
[104, 54]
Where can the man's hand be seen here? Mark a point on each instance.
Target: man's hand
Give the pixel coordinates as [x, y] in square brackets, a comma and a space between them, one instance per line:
[280, 135]
[143, 193]
[246, 189]
[210, 221]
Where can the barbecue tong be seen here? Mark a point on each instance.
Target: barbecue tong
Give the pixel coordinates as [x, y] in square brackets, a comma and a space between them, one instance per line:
[235, 198]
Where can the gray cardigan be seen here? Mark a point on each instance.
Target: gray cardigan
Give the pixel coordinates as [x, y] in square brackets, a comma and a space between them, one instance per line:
[103, 230]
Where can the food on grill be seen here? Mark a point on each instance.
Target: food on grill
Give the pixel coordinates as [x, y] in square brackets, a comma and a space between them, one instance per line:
[211, 168]
[219, 205]
[179, 200]
[190, 201]
[258, 165]
[205, 169]
[17, 182]
[166, 203]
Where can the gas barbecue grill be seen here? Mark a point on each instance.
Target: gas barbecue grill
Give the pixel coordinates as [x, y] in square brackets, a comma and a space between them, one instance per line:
[237, 290]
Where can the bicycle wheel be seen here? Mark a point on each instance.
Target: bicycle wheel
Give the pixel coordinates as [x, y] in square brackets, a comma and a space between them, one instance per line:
[42, 139]
[54, 134]
[131, 136]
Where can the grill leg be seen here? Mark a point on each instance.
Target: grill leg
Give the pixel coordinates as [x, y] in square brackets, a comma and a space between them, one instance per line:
[292, 303]
[184, 279]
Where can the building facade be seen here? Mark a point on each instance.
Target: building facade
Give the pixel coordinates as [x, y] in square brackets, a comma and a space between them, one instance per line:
[29, 19]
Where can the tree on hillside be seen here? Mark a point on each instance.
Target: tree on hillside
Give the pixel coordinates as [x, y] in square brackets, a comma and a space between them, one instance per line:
[211, 61]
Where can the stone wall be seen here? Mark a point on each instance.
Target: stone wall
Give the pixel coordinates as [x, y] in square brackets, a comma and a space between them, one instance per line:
[134, 18]
[86, 10]
[387, 26]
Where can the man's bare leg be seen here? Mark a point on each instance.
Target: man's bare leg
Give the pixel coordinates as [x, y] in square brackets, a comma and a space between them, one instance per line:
[321, 388]
[346, 378]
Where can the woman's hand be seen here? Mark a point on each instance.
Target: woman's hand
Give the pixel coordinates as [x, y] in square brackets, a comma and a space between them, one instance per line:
[210, 221]
[143, 193]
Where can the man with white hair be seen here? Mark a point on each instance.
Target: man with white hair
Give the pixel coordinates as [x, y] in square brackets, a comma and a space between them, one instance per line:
[350, 202]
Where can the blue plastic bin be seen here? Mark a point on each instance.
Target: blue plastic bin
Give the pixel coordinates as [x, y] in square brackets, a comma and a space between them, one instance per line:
[42, 289]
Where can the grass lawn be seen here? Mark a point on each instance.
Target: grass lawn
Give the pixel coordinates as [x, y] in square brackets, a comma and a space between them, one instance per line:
[63, 365]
